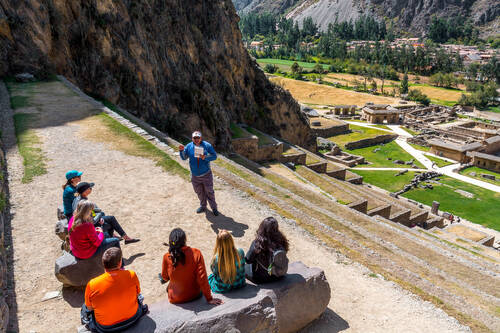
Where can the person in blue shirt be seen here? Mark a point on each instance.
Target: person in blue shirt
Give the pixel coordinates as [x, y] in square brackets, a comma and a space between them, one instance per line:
[200, 154]
[73, 177]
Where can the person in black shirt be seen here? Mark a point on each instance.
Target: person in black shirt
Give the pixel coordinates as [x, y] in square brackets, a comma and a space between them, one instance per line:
[268, 239]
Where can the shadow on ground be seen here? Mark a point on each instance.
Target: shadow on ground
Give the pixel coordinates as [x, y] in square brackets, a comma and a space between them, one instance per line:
[228, 223]
[328, 322]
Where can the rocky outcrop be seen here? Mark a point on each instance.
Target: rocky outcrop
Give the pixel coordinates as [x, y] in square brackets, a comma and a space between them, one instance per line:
[180, 65]
[408, 15]
[283, 306]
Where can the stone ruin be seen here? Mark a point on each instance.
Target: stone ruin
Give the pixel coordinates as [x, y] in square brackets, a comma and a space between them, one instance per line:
[417, 179]
[335, 154]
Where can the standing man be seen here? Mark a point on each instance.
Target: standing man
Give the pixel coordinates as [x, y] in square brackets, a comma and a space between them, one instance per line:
[200, 153]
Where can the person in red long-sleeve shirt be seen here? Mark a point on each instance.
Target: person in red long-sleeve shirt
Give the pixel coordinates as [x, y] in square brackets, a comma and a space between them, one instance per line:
[184, 268]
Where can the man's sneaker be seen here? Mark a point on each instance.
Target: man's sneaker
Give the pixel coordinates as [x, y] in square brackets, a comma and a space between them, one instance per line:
[200, 210]
[215, 212]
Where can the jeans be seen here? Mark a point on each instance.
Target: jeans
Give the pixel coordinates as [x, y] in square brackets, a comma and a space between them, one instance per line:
[110, 226]
[204, 187]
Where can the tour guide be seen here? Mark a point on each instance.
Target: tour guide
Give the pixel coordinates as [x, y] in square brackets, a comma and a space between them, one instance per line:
[200, 153]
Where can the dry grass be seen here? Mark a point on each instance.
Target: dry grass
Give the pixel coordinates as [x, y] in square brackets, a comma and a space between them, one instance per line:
[307, 92]
[350, 78]
[326, 123]
[440, 93]
[466, 233]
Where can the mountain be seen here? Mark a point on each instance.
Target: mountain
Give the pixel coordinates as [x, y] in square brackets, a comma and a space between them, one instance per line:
[178, 64]
[411, 16]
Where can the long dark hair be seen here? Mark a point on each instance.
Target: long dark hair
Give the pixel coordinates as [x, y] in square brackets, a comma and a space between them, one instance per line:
[269, 237]
[68, 183]
[176, 241]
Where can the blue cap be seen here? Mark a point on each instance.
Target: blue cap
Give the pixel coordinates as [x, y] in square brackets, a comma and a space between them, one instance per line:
[72, 174]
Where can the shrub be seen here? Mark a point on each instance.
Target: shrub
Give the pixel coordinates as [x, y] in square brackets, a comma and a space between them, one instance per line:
[271, 68]
[417, 96]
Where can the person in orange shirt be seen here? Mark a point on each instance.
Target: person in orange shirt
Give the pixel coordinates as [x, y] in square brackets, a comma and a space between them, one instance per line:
[185, 268]
[112, 300]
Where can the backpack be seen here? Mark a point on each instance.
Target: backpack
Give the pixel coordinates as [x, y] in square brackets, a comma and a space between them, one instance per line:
[279, 264]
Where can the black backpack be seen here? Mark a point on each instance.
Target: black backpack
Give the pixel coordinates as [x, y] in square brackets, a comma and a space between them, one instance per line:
[279, 264]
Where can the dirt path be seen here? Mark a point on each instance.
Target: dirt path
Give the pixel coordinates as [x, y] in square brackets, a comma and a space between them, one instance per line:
[149, 202]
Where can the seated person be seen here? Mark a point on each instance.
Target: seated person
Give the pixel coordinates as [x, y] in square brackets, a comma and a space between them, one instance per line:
[73, 177]
[109, 224]
[112, 300]
[85, 240]
[184, 267]
[261, 253]
[228, 265]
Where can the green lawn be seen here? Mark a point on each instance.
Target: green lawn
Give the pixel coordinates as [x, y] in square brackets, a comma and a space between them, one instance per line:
[409, 130]
[494, 109]
[479, 171]
[238, 132]
[418, 147]
[358, 133]
[379, 159]
[263, 139]
[374, 125]
[306, 65]
[439, 161]
[385, 179]
[483, 209]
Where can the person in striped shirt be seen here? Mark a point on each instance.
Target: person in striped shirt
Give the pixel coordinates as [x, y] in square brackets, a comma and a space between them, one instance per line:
[228, 265]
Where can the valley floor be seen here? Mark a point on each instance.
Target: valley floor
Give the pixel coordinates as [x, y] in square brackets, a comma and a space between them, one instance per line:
[149, 202]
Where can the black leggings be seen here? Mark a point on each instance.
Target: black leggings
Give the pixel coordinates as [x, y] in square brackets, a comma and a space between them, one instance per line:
[110, 226]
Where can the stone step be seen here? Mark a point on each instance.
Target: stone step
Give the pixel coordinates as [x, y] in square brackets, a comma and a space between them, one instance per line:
[384, 211]
[360, 206]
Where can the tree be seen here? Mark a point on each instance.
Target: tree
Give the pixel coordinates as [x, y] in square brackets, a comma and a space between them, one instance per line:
[296, 69]
[417, 96]
[404, 85]
[270, 68]
[318, 68]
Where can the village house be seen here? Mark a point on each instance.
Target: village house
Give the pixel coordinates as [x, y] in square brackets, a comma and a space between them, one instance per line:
[381, 114]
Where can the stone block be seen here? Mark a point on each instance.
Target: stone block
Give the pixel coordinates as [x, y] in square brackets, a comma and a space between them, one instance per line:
[62, 229]
[283, 306]
[384, 211]
[360, 205]
[488, 176]
[419, 218]
[76, 272]
[356, 180]
[319, 167]
[60, 213]
[402, 217]
[4, 314]
[337, 174]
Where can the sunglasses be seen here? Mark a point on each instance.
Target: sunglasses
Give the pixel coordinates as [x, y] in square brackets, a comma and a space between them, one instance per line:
[196, 137]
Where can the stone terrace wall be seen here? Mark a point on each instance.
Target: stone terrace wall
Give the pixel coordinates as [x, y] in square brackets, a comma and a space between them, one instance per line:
[371, 141]
[330, 131]
[249, 147]
[4, 211]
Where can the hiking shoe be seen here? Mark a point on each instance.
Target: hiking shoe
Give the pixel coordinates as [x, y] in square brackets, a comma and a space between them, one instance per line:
[132, 240]
[215, 212]
[200, 210]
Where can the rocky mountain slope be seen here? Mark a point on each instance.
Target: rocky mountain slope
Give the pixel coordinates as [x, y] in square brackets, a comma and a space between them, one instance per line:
[408, 15]
[180, 65]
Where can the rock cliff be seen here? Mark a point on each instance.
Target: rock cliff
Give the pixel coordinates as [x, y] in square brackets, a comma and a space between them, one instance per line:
[408, 15]
[180, 65]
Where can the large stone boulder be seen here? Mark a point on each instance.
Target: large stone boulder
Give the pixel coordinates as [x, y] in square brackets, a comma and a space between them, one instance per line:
[76, 272]
[62, 229]
[283, 306]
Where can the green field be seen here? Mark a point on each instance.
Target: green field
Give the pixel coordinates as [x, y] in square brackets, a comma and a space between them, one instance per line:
[494, 109]
[379, 159]
[286, 64]
[439, 161]
[385, 179]
[479, 171]
[358, 133]
[482, 209]
[418, 147]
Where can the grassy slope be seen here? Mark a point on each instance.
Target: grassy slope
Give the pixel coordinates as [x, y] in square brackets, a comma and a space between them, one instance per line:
[479, 171]
[307, 65]
[263, 139]
[385, 179]
[439, 161]
[379, 159]
[358, 133]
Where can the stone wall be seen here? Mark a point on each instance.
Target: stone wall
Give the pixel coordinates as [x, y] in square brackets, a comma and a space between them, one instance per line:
[298, 158]
[249, 147]
[330, 131]
[370, 141]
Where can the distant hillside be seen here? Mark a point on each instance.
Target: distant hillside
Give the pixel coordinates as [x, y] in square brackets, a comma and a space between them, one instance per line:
[412, 16]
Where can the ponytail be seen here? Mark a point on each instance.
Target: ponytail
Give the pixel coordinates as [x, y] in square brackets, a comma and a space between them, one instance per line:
[68, 182]
[176, 241]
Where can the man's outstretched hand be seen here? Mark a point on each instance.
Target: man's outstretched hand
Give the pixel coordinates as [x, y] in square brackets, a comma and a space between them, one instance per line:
[181, 147]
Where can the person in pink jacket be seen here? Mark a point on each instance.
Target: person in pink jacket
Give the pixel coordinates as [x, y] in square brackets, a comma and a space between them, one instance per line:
[85, 240]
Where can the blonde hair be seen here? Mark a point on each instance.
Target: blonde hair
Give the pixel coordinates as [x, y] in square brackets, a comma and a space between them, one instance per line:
[83, 213]
[228, 258]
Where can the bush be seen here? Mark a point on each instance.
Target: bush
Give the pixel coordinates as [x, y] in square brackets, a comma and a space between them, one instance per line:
[417, 96]
[271, 68]
[484, 95]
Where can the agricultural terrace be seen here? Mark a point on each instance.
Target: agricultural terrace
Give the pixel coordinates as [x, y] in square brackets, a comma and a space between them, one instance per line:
[439, 95]
[482, 208]
[312, 93]
[358, 133]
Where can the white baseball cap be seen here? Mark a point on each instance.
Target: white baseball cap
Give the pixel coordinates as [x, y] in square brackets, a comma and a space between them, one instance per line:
[196, 134]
